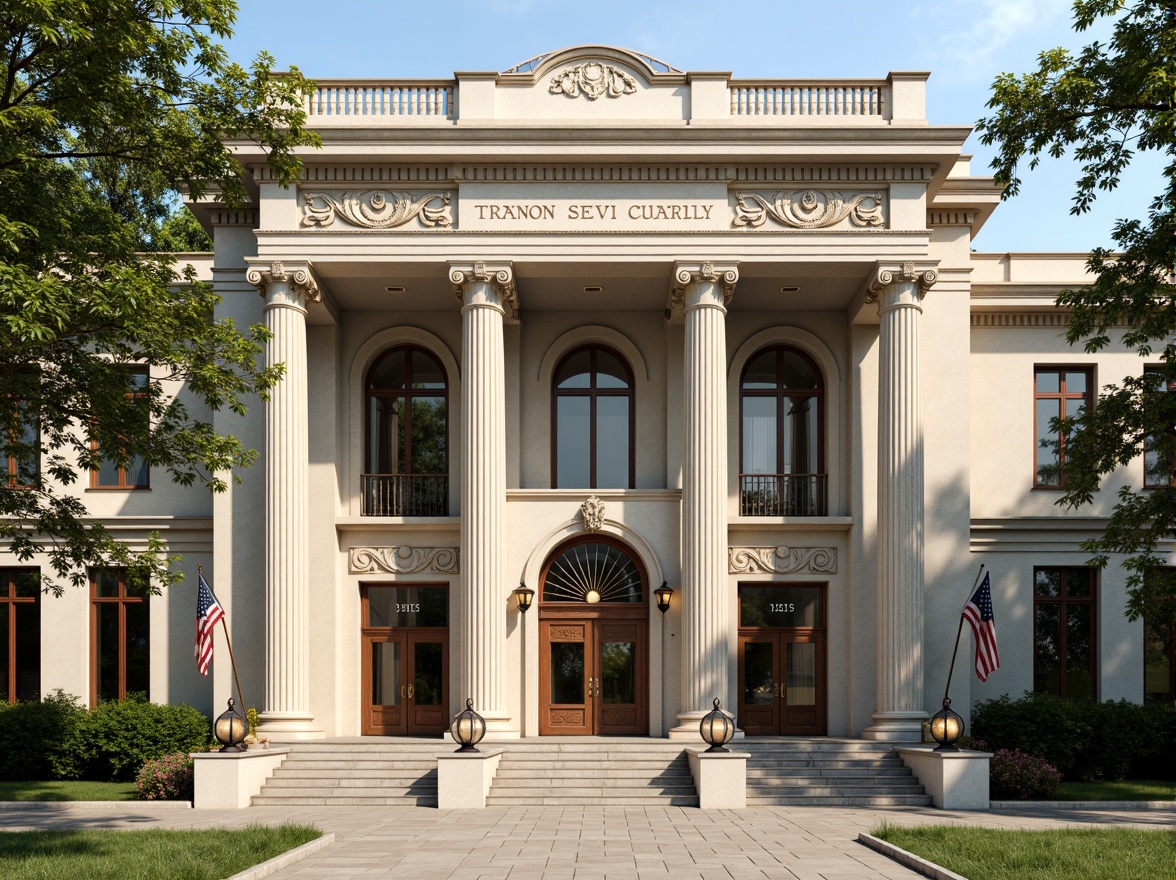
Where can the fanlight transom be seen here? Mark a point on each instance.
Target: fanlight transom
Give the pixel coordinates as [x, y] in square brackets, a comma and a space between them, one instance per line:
[593, 572]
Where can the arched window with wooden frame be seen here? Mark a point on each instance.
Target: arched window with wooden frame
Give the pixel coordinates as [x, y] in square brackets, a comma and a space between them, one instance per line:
[592, 421]
[782, 422]
[407, 446]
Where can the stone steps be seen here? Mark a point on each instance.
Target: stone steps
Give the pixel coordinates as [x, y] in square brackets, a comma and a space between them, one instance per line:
[361, 773]
[829, 773]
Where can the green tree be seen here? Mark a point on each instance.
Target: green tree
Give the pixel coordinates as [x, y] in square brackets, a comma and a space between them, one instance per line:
[181, 232]
[1104, 105]
[107, 109]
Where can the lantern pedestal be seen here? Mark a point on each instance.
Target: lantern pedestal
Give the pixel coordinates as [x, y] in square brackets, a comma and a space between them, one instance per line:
[720, 777]
[955, 780]
[229, 780]
[464, 778]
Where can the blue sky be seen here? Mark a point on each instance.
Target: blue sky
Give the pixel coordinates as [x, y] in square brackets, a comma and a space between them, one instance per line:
[964, 43]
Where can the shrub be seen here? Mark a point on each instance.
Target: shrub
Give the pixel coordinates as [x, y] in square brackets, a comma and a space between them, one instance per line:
[169, 778]
[1017, 776]
[116, 739]
[35, 737]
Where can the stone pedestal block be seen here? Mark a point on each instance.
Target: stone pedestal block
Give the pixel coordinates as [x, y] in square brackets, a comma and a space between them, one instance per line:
[464, 778]
[229, 780]
[955, 780]
[720, 777]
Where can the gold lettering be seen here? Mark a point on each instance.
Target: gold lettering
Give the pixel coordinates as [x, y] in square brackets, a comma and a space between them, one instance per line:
[707, 209]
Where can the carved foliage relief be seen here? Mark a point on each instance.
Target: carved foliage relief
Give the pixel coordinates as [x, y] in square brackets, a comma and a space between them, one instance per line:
[809, 209]
[593, 80]
[377, 208]
[592, 511]
[782, 560]
[402, 560]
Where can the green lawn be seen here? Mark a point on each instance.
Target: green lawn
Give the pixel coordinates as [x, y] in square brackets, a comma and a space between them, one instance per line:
[1061, 854]
[1127, 790]
[57, 790]
[119, 855]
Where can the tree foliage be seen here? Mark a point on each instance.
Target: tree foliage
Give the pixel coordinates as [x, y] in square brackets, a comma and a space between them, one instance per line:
[106, 110]
[1104, 105]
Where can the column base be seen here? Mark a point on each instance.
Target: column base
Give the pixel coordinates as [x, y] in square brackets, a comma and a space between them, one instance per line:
[687, 729]
[288, 726]
[499, 726]
[896, 727]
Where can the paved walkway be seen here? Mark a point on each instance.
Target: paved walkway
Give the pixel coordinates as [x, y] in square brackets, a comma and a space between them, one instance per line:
[583, 843]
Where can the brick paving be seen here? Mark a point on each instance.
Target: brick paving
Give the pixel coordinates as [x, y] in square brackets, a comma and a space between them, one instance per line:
[583, 843]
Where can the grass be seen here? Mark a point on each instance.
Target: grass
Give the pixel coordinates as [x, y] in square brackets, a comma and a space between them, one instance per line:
[118, 855]
[1127, 790]
[72, 790]
[1060, 854]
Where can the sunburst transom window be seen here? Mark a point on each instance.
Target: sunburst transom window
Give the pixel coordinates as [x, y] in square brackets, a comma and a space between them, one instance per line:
[593, 572]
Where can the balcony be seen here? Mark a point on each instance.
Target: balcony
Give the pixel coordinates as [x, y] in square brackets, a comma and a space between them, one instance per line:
[405, 494]
[783, 494]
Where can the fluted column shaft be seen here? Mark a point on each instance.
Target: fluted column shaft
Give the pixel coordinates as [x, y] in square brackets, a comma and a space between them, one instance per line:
[900, 708]
[705, 620]
[286, 707]
[483, 598]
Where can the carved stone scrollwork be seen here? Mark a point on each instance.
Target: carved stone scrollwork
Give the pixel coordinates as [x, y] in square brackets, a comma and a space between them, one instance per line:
[593, 512]
[402, 560]
[809, 209]
[593, 80]
[782, 560]
[922, 275]
[726, 275]
[376, 209]
[501, 275]
[296, 275]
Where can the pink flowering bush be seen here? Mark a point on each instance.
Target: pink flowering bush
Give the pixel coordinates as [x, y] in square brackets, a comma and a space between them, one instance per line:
[169, 778]
[1015, 775]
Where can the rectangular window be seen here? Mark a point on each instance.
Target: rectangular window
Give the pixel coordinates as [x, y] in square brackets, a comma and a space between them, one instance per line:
[134, 473]
[20, 634]
[120, 643]
[1159, 461]
[23, 468]
[1058, 392]
[1064, 615]
[1159, 661]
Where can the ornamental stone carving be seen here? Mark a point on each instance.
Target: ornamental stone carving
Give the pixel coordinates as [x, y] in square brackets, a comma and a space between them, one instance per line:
[808, 209]
[297, 275]
[377, 208]
[402, 560]
[782, 560]
[593, 512]
[501, 275]
[922, 275]
[593, 80]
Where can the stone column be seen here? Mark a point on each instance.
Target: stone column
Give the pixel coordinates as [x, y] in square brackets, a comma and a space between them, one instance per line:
[704, 290]
[486, 291]
[898, 290]
[286, 708]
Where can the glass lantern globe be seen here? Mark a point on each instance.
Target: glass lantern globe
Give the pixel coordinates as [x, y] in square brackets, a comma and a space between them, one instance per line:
[717, 728]
[468, 728]
[946, 728]
[230, 729]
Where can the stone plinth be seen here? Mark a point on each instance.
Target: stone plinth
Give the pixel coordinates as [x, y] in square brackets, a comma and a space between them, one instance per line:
[229, 780]
[720, 777]
[464, 778]
[955, 780]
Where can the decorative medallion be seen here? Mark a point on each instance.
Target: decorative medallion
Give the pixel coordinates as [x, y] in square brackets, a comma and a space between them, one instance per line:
[781, 560]
[377, 208]
[593, 512]
[593, 80]
[808, 209]
[402, 560]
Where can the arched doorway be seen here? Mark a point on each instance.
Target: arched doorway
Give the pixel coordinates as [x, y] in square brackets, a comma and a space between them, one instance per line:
[593, 640]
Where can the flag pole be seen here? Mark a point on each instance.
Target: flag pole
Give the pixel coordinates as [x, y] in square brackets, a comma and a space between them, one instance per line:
[229, 642]
[959, 631]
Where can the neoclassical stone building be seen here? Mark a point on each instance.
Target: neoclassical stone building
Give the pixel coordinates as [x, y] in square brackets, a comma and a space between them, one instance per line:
[593, 325]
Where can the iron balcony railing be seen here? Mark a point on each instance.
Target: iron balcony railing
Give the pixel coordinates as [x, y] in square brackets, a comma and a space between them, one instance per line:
[405, 494]
[783, 494]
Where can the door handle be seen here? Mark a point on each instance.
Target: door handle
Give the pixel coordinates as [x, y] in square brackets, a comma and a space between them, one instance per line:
[410, 694]
[777, 688]
[403, 692]
[591, 687]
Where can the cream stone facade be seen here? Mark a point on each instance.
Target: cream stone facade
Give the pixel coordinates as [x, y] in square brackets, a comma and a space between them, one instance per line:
[653, 246]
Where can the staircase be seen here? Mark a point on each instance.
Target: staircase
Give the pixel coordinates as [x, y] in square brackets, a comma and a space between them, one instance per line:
[834, 773]
[571, 771]
[372, 771]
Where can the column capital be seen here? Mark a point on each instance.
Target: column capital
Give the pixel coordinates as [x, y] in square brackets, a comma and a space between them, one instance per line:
[499, 275]
[298, 275]
[687, 273]
[919, 274]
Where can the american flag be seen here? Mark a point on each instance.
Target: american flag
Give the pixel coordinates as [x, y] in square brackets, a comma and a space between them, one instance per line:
[208, 613]
[978, 613]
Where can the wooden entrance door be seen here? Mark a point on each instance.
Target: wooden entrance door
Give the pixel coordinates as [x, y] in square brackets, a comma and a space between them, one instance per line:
[592, 676]
[782, 667]
[405, 668]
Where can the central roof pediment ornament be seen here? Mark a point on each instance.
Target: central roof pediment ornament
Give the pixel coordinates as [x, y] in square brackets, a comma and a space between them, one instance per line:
[540, 65]
[377, 208]
[809, 209]
[593, 80]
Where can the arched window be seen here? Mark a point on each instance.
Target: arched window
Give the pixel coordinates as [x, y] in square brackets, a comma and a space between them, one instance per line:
[592, 421]
[782, 465]
[593, 571]
[407, 435]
